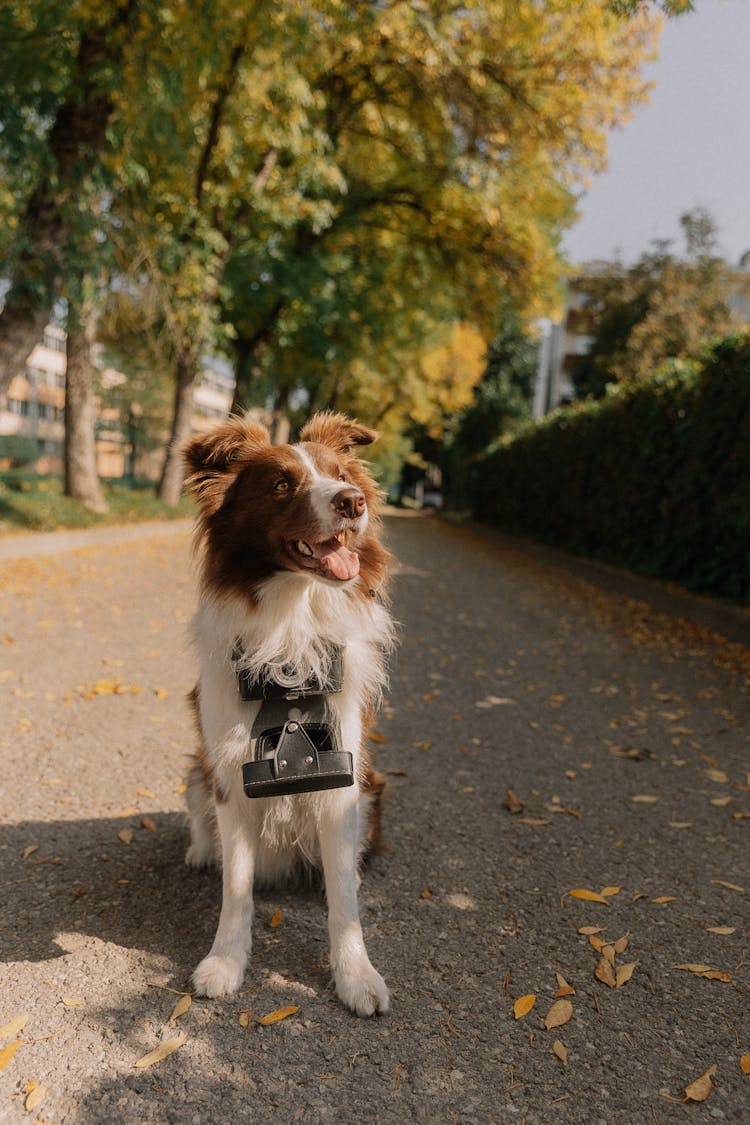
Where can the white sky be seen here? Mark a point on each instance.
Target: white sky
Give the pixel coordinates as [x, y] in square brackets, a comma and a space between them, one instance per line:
[689, 146]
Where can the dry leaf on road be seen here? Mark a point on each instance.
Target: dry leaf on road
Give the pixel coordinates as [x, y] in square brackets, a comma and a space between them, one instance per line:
[623, 973]
[705, 971]
[279, 1014]
[561, 1051]
[523, 1005]
[168, 1047]
[8, 1052]
[559, 1014]
[605, 973]
[699, 1090]
[586, 895]
[181, 1007]
[15, 1027]
[35, 1094]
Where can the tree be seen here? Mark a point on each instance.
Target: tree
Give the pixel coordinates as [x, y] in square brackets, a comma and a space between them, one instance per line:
[57, 76]
[664, 307]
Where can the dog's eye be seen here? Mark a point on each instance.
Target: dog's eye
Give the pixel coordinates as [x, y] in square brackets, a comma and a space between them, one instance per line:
[341, 476]
[281, 485]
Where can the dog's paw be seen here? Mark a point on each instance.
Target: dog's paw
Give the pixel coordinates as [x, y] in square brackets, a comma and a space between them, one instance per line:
[201, 855]
[218, 976]
[363, 990]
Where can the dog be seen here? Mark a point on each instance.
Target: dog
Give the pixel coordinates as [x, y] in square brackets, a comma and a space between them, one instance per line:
[292, 569]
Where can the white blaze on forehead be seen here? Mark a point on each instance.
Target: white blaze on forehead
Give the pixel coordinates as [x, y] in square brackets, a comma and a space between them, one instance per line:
[323, 490]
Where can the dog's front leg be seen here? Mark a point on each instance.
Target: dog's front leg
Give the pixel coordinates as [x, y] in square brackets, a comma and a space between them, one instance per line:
[358, 984]
[221, 972]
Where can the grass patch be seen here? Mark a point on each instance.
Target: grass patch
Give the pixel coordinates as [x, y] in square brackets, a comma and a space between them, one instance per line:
[37, 503]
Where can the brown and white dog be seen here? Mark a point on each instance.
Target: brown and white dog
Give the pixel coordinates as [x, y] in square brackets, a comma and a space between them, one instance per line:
[290, 564]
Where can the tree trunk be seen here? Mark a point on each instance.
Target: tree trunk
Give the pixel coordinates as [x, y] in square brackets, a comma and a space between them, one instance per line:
[280, 424]
[170, 486]
[75, 141]
[81, 478]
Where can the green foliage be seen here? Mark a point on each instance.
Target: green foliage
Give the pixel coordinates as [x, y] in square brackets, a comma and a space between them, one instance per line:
[37, 503]
[18, 450]
[663, 307]
[655, 476]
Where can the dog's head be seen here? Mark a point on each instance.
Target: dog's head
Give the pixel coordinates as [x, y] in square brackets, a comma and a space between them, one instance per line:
[308, 508]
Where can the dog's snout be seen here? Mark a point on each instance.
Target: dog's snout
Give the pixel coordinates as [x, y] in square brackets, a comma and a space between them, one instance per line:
[349, 502]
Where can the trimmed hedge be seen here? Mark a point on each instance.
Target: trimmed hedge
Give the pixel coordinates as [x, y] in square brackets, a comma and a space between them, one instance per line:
[654, 477]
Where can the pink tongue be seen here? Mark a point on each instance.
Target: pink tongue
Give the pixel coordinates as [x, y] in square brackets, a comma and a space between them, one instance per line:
[337, 558]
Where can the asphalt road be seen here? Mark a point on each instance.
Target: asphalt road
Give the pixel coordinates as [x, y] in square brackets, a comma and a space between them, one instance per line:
[622, 735]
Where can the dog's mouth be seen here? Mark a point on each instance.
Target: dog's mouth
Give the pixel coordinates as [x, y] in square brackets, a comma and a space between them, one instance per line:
[331, 558]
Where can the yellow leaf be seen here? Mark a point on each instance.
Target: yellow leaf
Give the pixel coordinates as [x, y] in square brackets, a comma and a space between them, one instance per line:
[160, 693]
[621, 944]
[8, 1052]
[561, 1051]
[244, 1019]
[69, 1002]
[705, 971]
[699, 1090]
[645, 799]
[126, 835]
[588, 896]
[144, 793]
[148, 823]
[605, 973]
[665, 898]
[375, 736]
[180, 1007]
[276, 919]
[721, 929]
[623, 973]
[680, 824]
[15, 1027]
[279, 1014]
[745, 1064]
[34, 1096]
[523, 1005]
[559, 1014]
[168, 1047]
[125, 813]
[717, 775]
[29, 851]
[729, 886]
[607, 892]
[533, 821]
[588, 930]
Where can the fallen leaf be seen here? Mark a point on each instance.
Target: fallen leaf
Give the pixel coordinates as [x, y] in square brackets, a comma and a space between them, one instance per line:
[145, 793]
[699, 1090]
[426, 893]
[168, 1047]
[717, 775]
[596, 943]
[126, 835]
[705, 971]
[665, 898]
[15, 1027]
[512, 802]
[608, 952]
[608, 892]
[589, 930]
[523, 1005]
[561, 1051]
[605, 973]
[588, 896]
[645, 799]
[279, 1014]
[680, 824]
[563, 988]
[244, 1019]
[729, 886]
[721, 929]
[160, 693]
[35, 1094]
[276, 919]
[180, 1007]
[623, 973]
[375, 736]
[8, 1052]
[559, 1014]
[721, 802]
[69, 1002]
[533, 821]
[29, 851]
[148, 823]
[124, 813]
[621, 944]
[745, 1064]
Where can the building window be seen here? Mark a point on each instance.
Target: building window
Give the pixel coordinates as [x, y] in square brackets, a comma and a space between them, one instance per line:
[53, 342]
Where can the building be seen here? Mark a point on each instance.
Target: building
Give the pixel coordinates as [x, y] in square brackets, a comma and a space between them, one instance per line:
[34, 414]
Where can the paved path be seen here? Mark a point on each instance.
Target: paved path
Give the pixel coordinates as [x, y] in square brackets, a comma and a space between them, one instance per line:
[622, 734]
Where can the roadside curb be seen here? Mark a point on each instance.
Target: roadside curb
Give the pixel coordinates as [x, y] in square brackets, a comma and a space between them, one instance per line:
[730, 621]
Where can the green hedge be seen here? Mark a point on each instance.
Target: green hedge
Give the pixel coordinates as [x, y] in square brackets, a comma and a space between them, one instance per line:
[654, 477]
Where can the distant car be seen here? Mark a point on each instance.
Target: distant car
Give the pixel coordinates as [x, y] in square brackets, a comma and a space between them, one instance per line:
[432, 500]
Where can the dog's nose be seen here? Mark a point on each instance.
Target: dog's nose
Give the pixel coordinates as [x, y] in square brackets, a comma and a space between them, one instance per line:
[349, 502]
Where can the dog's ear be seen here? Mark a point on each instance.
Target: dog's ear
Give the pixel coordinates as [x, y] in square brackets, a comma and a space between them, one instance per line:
[214, 459]
[337, 431]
